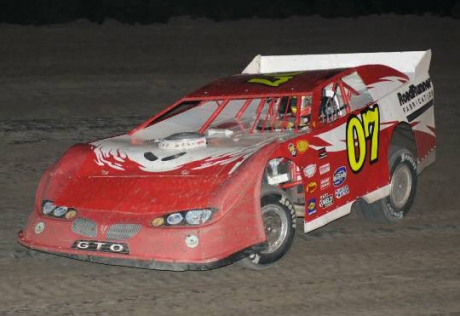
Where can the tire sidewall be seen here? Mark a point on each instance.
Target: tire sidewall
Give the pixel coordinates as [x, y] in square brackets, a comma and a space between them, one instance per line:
[398, 158]
[289, 212]
[260, 260]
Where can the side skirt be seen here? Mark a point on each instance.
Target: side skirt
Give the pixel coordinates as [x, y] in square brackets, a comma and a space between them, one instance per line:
[327, 218]
[345, 209]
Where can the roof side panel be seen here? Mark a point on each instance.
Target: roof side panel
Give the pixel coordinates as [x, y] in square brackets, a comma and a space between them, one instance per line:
[265, 84]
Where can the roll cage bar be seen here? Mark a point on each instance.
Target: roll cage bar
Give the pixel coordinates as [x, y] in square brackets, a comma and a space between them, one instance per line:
[269, 117]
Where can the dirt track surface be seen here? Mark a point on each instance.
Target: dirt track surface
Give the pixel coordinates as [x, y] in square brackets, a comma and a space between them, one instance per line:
[75, 83]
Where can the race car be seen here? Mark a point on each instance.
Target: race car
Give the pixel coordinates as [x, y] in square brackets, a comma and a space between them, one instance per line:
[217, 177]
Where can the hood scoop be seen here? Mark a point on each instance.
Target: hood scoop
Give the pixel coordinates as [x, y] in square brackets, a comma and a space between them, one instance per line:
[183, 141]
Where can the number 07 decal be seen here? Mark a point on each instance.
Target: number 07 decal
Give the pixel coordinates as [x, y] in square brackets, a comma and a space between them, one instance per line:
[358, 132]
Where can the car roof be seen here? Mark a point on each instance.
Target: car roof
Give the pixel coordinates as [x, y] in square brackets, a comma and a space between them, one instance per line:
[241, 85]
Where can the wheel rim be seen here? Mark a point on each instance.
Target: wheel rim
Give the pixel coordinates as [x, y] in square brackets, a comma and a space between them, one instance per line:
[401, 186]
[276, 226]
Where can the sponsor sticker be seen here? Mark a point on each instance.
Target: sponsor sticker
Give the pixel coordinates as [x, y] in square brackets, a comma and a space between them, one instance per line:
[340, 175]
[322, 153]
[311, 206]
[415, 98]
[311, 187]
[302, 146]
[292, 149]
[325, 183]
[324, 168]
[102, 246]
[309, 171]
[278, 179]
[342, 191]
[326, 200]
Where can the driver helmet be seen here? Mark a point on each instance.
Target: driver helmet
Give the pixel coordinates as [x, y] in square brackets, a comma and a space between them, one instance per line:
[305, 106]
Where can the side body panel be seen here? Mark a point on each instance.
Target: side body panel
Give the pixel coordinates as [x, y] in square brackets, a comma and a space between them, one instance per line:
[349, 157]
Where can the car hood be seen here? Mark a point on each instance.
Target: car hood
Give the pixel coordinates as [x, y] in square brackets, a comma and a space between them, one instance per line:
[128, 154]
[117, 175]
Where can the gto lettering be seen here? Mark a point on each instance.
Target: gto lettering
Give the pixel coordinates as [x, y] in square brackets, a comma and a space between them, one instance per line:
[358, 132]
[83, 245]
[99, 245]
[116, 248]
[92, 245]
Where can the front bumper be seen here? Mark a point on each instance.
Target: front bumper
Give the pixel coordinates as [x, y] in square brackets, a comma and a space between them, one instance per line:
[151, 248]
[147, 264]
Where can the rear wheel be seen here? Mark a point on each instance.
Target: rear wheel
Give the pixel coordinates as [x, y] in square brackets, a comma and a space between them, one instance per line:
[403, 186]
[278, 217]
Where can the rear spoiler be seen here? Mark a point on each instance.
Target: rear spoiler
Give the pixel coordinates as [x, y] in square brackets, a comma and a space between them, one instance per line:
[413, 64]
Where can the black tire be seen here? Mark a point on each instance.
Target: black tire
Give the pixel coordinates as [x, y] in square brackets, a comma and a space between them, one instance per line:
[279, 219]
[403, 187]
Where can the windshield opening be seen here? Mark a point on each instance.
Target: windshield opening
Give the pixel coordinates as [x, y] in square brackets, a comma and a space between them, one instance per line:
[251, 115]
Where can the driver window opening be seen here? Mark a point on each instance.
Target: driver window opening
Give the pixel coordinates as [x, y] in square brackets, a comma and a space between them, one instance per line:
[284, 113]
[335, 101]
[363, 97]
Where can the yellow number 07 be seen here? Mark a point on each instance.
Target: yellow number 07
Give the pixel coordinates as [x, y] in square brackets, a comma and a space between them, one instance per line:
[360, 130]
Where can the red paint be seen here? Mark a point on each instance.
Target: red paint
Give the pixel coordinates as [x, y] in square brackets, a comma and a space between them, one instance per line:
[129, 194]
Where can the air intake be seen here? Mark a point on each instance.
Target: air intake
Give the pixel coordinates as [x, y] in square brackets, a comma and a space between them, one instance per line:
[84, 227]
[122, 231]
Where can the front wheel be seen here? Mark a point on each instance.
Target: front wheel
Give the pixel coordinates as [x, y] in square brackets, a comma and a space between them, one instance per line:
[403, 185]
[279, 221]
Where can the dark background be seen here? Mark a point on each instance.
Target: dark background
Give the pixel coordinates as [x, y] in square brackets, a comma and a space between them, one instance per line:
[40, 12]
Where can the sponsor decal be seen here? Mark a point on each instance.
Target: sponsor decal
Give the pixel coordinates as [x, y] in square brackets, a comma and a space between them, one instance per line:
[302, 146]
[340, 175]
[311, 206]
[292, 149]
[322, 153]
[342, 191]
[309, 171]
[422, 109]
[324, 168]
[278, 179]
[414, 91]
[102, 246]
[326, 200]
[360, 130]
[416, 99]
[325, 183]
[311, 187]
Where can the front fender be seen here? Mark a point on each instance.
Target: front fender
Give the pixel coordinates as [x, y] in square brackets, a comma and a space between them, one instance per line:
[239, 200]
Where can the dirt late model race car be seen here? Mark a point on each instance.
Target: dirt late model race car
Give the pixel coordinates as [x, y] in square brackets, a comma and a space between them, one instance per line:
[217, 177]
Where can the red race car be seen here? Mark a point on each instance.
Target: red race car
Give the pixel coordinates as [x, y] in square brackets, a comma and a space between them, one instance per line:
[217, 177]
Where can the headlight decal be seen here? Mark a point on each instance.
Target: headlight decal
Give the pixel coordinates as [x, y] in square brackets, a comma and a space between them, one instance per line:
[174, 219]
[192, 217]
[197, 217]
[50, 209]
